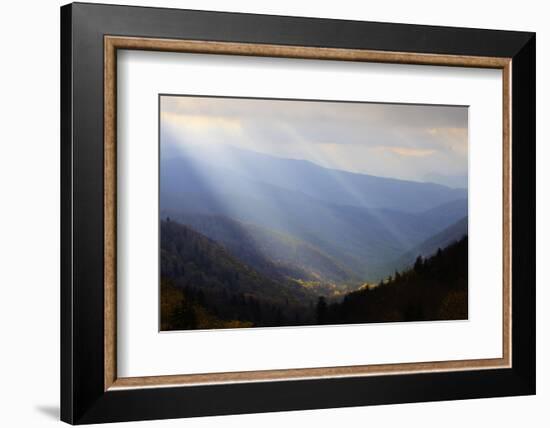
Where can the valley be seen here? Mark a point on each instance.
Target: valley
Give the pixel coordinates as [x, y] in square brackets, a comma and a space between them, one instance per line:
[279, 242]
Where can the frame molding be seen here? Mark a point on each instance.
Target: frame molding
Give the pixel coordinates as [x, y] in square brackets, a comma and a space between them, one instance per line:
[90, 391]
[113, 43]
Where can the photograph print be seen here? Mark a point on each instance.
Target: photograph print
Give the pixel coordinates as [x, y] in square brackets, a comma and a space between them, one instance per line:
[283, 212]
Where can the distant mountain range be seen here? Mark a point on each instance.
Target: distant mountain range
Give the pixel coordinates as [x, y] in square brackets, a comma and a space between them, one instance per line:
[290, 218]
[323, 184]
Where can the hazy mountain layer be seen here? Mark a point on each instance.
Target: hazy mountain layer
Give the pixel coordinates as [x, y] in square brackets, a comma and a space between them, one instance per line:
[345, 236]
[440, 240]
[329, 185]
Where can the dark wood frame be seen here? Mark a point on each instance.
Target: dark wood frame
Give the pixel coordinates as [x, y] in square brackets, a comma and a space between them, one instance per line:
[90, 35]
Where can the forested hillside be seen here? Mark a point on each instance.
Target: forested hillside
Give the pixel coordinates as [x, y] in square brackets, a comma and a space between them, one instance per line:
[435, 288]
[272, 253]
[203, 286]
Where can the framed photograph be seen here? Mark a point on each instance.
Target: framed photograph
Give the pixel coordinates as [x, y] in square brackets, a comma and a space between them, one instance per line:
[265, 213]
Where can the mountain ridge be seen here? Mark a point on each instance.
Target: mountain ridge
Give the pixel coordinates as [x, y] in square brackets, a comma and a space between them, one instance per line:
[430, 246]
[270, 252]
[331, 185]
[225, 286]
[361, 239]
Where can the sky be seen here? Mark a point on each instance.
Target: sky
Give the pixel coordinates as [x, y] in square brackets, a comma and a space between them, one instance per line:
[412, 142]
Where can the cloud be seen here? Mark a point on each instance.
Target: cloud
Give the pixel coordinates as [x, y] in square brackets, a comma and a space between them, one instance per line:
[408, 151]
[396, 140]
[202, 122]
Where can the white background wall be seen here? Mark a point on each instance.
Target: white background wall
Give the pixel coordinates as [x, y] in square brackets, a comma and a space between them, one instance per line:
[29, 214]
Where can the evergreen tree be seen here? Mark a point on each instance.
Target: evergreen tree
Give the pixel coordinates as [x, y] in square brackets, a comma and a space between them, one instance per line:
[322, 308]
[419, 264]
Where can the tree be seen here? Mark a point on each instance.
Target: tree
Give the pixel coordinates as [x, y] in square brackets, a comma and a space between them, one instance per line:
[419, 264]
[184, 316]
[322, 310]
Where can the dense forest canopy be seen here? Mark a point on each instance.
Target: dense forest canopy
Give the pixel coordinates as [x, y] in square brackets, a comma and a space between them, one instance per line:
[205, 279]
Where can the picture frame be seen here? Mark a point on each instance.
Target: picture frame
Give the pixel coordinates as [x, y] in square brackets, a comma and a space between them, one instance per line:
[91, 36]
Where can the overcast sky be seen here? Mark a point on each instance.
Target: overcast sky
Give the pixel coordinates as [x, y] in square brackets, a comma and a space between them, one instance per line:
[422, 143]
